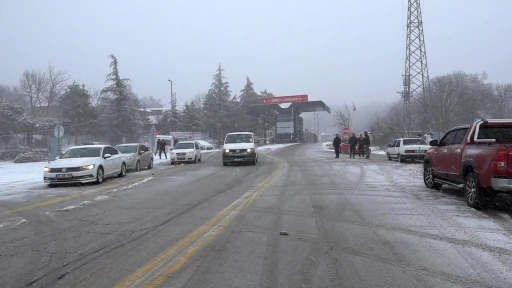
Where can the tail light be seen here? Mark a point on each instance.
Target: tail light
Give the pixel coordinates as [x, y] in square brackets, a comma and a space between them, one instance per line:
[501, 164]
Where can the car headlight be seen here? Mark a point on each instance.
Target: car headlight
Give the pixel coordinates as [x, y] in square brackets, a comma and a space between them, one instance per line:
[87, 167]
[172, 153]
[46, 169]
[227, 150]
[190, 152]
[249, 150]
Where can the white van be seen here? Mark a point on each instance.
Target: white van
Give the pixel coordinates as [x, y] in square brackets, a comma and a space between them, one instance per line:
[240, 147]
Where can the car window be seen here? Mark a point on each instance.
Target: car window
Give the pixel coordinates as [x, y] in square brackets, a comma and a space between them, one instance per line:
[459, 136]
[197, 146]
[418, 141]
[182, 145]
[113, 151]
[105, 151]
[143, 148]
[398, 143]
[127, 148]
[448, 138]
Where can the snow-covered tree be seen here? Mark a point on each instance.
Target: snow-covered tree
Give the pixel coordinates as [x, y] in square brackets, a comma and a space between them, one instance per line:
[216, 106]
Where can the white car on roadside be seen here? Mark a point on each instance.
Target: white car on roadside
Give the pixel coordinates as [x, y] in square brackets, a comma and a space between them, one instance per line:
[138, 156]
[407, 148]
[204, 145]
[82, 164]
[186, 151]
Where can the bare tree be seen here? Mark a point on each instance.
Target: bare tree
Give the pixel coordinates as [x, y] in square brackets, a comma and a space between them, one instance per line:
[34, 85]
[503, 100]
[56, 84]
[343, 117]
[199, 99]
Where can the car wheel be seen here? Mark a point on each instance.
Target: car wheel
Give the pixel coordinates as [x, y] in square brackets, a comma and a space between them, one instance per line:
[150, 166]
[137, 166]
[200, 158]
[225, 163]
[389, 157]
[429, 178]
[400, 158]
[100, 176]
[123, 170]
[195, 160]
[473, 191]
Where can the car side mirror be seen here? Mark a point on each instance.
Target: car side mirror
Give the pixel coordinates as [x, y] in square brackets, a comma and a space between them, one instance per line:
[433, 143]
[107, 156]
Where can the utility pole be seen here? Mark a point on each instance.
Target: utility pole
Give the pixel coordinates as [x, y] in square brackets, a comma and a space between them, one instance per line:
[416, 83]
[173, 107]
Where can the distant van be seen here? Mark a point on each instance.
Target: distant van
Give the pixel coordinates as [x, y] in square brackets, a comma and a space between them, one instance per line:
[240, 147]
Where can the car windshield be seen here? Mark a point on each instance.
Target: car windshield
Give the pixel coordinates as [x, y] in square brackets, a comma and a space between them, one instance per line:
[238, 138]
[182, 145]
[126, 149]
[408, 142]
[82, 152]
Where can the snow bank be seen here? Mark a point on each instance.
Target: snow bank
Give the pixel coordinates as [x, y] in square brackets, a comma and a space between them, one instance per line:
[378, 151]
[328, 146]
[20, 175]
[273, 147]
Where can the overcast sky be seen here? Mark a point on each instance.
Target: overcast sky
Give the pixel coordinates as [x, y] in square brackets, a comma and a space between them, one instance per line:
[333, 50]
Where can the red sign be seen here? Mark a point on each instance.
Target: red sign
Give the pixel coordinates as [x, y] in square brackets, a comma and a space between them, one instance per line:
[346, 131]
[285, 99]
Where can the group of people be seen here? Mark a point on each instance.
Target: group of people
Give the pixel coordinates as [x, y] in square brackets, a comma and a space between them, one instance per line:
[362, 142]
[160, 147]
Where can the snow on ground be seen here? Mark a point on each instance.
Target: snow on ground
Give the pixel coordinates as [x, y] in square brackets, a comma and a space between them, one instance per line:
[378, 151]
[273, 147]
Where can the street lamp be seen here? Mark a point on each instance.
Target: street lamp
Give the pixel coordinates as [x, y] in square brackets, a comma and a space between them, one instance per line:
[171, 91]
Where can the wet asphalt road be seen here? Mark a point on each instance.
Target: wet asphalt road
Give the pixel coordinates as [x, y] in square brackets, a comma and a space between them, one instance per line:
[347, 223]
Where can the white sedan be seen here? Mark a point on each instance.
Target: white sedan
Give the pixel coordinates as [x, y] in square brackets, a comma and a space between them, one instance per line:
[204, 145]
[186, 151]
[82, 164]
[407, 148]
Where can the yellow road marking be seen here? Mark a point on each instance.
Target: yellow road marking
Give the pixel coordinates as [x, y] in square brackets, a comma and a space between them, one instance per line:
[195, 240]
[69, 197]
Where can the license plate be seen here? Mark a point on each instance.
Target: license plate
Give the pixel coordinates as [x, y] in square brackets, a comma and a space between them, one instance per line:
[239, 159]
[64, 176]
[181, 158]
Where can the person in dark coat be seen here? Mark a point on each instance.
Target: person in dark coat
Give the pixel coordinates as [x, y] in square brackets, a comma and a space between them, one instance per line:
[352, 141]
[360, 145]
[336, 144]
[157, 146]
[366, 143]
[162, 148]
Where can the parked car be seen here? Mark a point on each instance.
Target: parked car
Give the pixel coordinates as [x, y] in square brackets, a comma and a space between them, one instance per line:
[407, 148]
[240, 147]
[186, 151]
[82, 164]
[137, 155]
[204, 145]
[476, 158]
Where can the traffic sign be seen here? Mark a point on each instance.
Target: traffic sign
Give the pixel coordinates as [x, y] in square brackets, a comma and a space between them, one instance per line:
[58, 131]
[286, 99]
[346, 131]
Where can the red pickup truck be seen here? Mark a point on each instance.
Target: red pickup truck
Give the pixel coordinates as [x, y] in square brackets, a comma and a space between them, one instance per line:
[476, 158]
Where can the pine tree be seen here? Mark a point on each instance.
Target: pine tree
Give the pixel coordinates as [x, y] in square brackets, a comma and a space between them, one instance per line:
[247, 98]
[216, 106]
[126, 120]
[77, 110]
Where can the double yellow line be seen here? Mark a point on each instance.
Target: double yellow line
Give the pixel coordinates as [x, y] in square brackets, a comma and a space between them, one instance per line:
[160, 269]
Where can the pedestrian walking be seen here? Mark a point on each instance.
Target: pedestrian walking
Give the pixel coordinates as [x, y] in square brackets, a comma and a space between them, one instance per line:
[360, 145]
[336, 144]
[352, 142]
[157, 146]
[162, 148]
[366, 143]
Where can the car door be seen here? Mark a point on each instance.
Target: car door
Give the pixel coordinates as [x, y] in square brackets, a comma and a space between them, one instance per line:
[441, 162]
[117, 160]
[453, 157]
[107, 162]
[146, 155]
